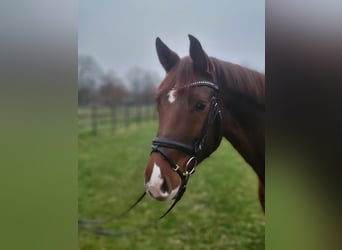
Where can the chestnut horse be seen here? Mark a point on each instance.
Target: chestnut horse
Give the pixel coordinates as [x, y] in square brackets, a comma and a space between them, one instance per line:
[200, 100]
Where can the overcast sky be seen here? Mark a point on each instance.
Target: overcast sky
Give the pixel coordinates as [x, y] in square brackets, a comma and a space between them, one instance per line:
[121, 34]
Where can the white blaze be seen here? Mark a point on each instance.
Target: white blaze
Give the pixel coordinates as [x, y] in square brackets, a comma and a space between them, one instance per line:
[172, 95]
[155, 183]
[156, 179]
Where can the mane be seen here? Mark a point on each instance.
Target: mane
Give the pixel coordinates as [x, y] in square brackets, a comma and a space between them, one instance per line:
[239, 79]
[244, 81]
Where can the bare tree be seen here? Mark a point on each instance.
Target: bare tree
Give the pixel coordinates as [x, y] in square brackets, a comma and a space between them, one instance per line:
[112, 90]
[150, 81]
[143, 84]
[89, 76]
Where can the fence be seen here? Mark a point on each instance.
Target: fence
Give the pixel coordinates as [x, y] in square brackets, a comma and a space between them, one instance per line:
[95, 118]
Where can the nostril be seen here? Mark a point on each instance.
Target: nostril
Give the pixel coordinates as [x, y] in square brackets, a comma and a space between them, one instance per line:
[164, 187]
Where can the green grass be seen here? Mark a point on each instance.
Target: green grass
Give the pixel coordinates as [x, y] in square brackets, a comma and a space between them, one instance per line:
[220, 209]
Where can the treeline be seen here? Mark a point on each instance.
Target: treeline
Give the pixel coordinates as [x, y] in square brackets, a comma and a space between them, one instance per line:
[107, 89]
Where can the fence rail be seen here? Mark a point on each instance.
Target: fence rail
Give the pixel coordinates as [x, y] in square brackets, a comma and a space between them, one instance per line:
[95, 118]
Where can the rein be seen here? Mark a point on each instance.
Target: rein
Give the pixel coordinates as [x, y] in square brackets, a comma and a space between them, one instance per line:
[158, 145]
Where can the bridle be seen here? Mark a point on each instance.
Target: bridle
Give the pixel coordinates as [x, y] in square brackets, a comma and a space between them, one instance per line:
[158, 146]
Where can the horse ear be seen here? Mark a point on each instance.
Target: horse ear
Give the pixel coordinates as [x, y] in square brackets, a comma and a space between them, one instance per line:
[199, 58]
[167, 57]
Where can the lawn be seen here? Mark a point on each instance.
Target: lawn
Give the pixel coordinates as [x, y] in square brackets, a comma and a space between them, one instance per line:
[220, 209]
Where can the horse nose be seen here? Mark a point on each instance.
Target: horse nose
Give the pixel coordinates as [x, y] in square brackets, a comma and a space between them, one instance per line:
[158, 189]
[161, 185]
[157, 185]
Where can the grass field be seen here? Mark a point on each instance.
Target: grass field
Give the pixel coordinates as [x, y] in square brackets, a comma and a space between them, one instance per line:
[220, 209]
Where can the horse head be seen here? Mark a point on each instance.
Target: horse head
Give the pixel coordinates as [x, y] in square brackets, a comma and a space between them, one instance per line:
[189, 120]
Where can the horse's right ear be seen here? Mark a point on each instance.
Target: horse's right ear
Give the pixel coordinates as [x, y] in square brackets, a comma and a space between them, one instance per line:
[167, 57]
[200, 59]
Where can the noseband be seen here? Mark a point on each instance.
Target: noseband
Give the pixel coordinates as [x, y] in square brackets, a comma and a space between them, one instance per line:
[158, 144]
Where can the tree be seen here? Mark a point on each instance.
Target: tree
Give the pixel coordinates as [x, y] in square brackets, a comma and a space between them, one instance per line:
[89, 76]
[112, 90]
[143, 84]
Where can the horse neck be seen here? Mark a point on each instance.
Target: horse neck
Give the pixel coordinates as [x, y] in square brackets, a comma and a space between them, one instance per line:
[243, 112]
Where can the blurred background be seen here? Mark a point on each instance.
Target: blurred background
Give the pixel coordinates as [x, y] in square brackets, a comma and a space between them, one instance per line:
[42, 191]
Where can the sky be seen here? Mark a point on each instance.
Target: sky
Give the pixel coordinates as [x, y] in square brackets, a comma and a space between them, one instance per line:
[121, 35]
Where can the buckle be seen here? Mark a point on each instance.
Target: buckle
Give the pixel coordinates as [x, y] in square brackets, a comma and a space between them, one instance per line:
[177, 168]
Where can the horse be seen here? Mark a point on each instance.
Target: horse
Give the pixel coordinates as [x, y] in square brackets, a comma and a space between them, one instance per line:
[201, 100]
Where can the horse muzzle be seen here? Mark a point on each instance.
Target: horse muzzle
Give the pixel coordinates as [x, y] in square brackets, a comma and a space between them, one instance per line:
[158, 186]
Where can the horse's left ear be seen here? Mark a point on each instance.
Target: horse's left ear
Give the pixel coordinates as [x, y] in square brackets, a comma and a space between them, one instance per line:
[199, 58]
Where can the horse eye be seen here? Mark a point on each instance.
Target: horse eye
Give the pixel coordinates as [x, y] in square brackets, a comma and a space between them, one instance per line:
[199, 107]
